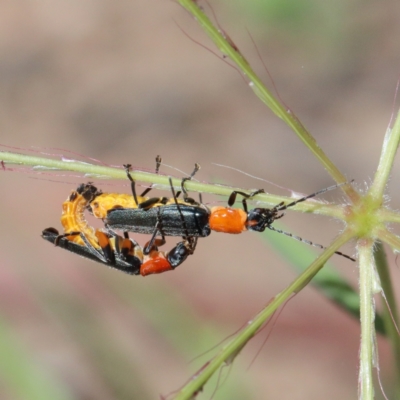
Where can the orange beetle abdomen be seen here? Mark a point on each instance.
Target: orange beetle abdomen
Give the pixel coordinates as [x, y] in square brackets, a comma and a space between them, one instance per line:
[228, 220]
[73, 219]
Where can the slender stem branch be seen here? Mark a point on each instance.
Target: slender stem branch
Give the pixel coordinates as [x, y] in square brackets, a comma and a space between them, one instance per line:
[392, 240]
[222, 41]
[367, 312]
[102, 172]
[389, 312]
[386, 215]
[229, 352]
[389, 149]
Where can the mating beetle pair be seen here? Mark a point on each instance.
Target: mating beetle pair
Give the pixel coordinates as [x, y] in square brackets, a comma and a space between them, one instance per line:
[106, 246]
[157, 217]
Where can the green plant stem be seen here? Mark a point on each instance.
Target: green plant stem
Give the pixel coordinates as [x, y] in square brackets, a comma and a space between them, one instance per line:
[389, 149]
[101, 172]
[367, 312]
[223, 43]
[389, 313]
[232, 349]
[386, 215]
[392, 240]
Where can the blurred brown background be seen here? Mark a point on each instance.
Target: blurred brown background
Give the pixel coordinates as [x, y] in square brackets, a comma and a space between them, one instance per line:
[121, 82]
